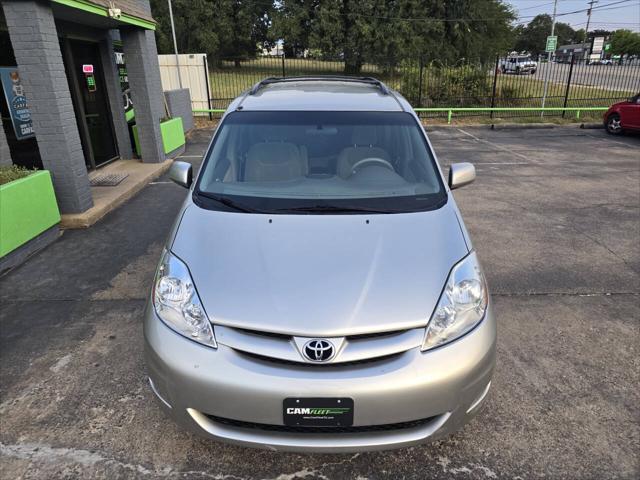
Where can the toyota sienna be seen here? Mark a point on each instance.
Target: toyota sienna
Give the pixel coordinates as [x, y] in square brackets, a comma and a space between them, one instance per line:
[319, 290]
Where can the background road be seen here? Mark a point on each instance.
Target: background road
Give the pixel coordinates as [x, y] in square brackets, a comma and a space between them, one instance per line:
[555, 216]
[613, 77]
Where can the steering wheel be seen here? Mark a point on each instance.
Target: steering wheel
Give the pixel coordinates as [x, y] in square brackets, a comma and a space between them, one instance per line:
[364, 161]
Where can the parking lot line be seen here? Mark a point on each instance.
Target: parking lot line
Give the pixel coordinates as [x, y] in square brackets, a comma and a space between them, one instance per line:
[502, 163]
[494, 145]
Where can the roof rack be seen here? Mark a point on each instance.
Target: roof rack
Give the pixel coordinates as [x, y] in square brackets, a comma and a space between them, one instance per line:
[330, 78]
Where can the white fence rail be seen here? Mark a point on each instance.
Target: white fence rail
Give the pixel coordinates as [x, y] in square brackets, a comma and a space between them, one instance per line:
[194, 72]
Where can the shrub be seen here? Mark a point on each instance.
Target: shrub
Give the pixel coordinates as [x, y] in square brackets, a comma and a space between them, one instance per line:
[13, 172]
[467, 85]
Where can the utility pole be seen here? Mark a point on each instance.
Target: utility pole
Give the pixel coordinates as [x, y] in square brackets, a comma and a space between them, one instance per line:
[586, 30]
[175, 43]
[549, 56]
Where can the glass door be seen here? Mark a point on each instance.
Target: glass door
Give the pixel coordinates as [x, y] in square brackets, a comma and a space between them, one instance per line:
[88, 88]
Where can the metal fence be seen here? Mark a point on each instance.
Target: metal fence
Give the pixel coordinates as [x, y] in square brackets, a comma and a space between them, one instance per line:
[433, 85]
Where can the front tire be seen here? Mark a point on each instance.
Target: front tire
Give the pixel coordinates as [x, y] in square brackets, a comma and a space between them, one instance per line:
[613, 125]
[533, 72]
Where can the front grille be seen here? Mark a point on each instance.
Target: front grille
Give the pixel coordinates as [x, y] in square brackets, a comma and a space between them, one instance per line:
[368, 336]
[282, 361]
[284, 336]
[283, 349]
[263, 333]
[327, 430]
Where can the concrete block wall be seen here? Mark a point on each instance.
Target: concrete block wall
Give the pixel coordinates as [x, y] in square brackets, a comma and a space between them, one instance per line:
[139, 47]
[179, 102]
[37, 50]
[5, 153]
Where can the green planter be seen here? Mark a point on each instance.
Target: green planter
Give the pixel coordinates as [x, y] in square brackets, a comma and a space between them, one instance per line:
[172, 135]
[28, 207]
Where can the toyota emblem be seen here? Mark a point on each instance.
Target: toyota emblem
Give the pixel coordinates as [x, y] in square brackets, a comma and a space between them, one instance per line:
[318, 350]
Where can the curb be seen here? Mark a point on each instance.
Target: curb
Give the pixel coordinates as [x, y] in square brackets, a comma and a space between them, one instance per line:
[515, 126]
[95, 213]
[498, 126]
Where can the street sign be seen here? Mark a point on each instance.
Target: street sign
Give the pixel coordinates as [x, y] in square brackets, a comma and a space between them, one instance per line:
[552, 43]
[597, 45]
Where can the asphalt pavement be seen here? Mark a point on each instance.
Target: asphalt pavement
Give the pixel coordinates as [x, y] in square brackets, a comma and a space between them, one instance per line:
[555, 217]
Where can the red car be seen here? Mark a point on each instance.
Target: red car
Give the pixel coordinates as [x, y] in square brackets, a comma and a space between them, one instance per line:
[623, 116]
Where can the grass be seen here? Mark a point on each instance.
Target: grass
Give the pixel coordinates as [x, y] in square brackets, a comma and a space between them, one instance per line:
[228, 81]
[13, 172]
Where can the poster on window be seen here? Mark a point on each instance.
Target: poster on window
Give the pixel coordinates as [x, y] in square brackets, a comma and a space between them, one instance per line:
[124, 77]
[16, 102]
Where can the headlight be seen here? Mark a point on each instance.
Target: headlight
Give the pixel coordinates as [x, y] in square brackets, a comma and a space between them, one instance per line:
[176, 301]
[461, 306]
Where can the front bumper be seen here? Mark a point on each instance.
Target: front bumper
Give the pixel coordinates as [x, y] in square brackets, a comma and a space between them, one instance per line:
[445, 386]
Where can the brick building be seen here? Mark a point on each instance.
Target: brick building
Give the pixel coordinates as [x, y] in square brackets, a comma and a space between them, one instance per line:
[65, 52]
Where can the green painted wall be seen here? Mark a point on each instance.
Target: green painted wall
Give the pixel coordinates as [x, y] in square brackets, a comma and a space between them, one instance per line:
[27, 208]
[172, 134]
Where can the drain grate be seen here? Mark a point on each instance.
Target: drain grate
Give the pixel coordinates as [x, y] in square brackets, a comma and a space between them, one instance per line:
[108, 179]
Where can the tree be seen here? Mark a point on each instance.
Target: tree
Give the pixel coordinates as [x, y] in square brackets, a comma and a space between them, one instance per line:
[219, 28]
[533, 37]
[293, 21]
[470, 34]
[345, 28]
[625, 42]
[583, 37]
[598, 32]
[386, 32]
[249, 22]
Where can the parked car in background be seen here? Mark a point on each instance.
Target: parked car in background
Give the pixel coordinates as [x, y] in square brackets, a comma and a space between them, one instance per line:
[602, 61]
[518, 64]
[623, 116]
[319, 290]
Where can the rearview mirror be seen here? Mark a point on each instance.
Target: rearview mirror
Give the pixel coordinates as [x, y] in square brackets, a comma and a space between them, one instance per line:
[461, 174]
[181, 173]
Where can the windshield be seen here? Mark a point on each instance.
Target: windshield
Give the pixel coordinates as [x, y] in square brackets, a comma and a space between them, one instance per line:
[342, 162]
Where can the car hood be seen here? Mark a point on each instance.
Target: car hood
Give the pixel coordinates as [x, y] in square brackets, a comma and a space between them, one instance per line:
[320, 275]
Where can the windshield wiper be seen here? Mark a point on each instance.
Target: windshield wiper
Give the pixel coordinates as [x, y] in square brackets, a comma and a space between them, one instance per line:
[228, 203]
[335, 209]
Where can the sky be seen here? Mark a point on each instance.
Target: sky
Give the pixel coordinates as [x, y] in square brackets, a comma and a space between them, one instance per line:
[625, 14]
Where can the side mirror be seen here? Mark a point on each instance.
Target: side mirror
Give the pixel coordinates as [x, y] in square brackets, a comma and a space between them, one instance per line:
[461, 174]
[181, 173]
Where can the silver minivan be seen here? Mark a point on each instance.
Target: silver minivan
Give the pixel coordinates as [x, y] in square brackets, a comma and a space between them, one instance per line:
[319, 291]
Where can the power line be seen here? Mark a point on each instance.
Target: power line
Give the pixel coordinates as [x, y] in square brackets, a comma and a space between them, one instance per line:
[615, 8]
[594, 8]
[605, 23]
[519, 19]
[535, 6]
